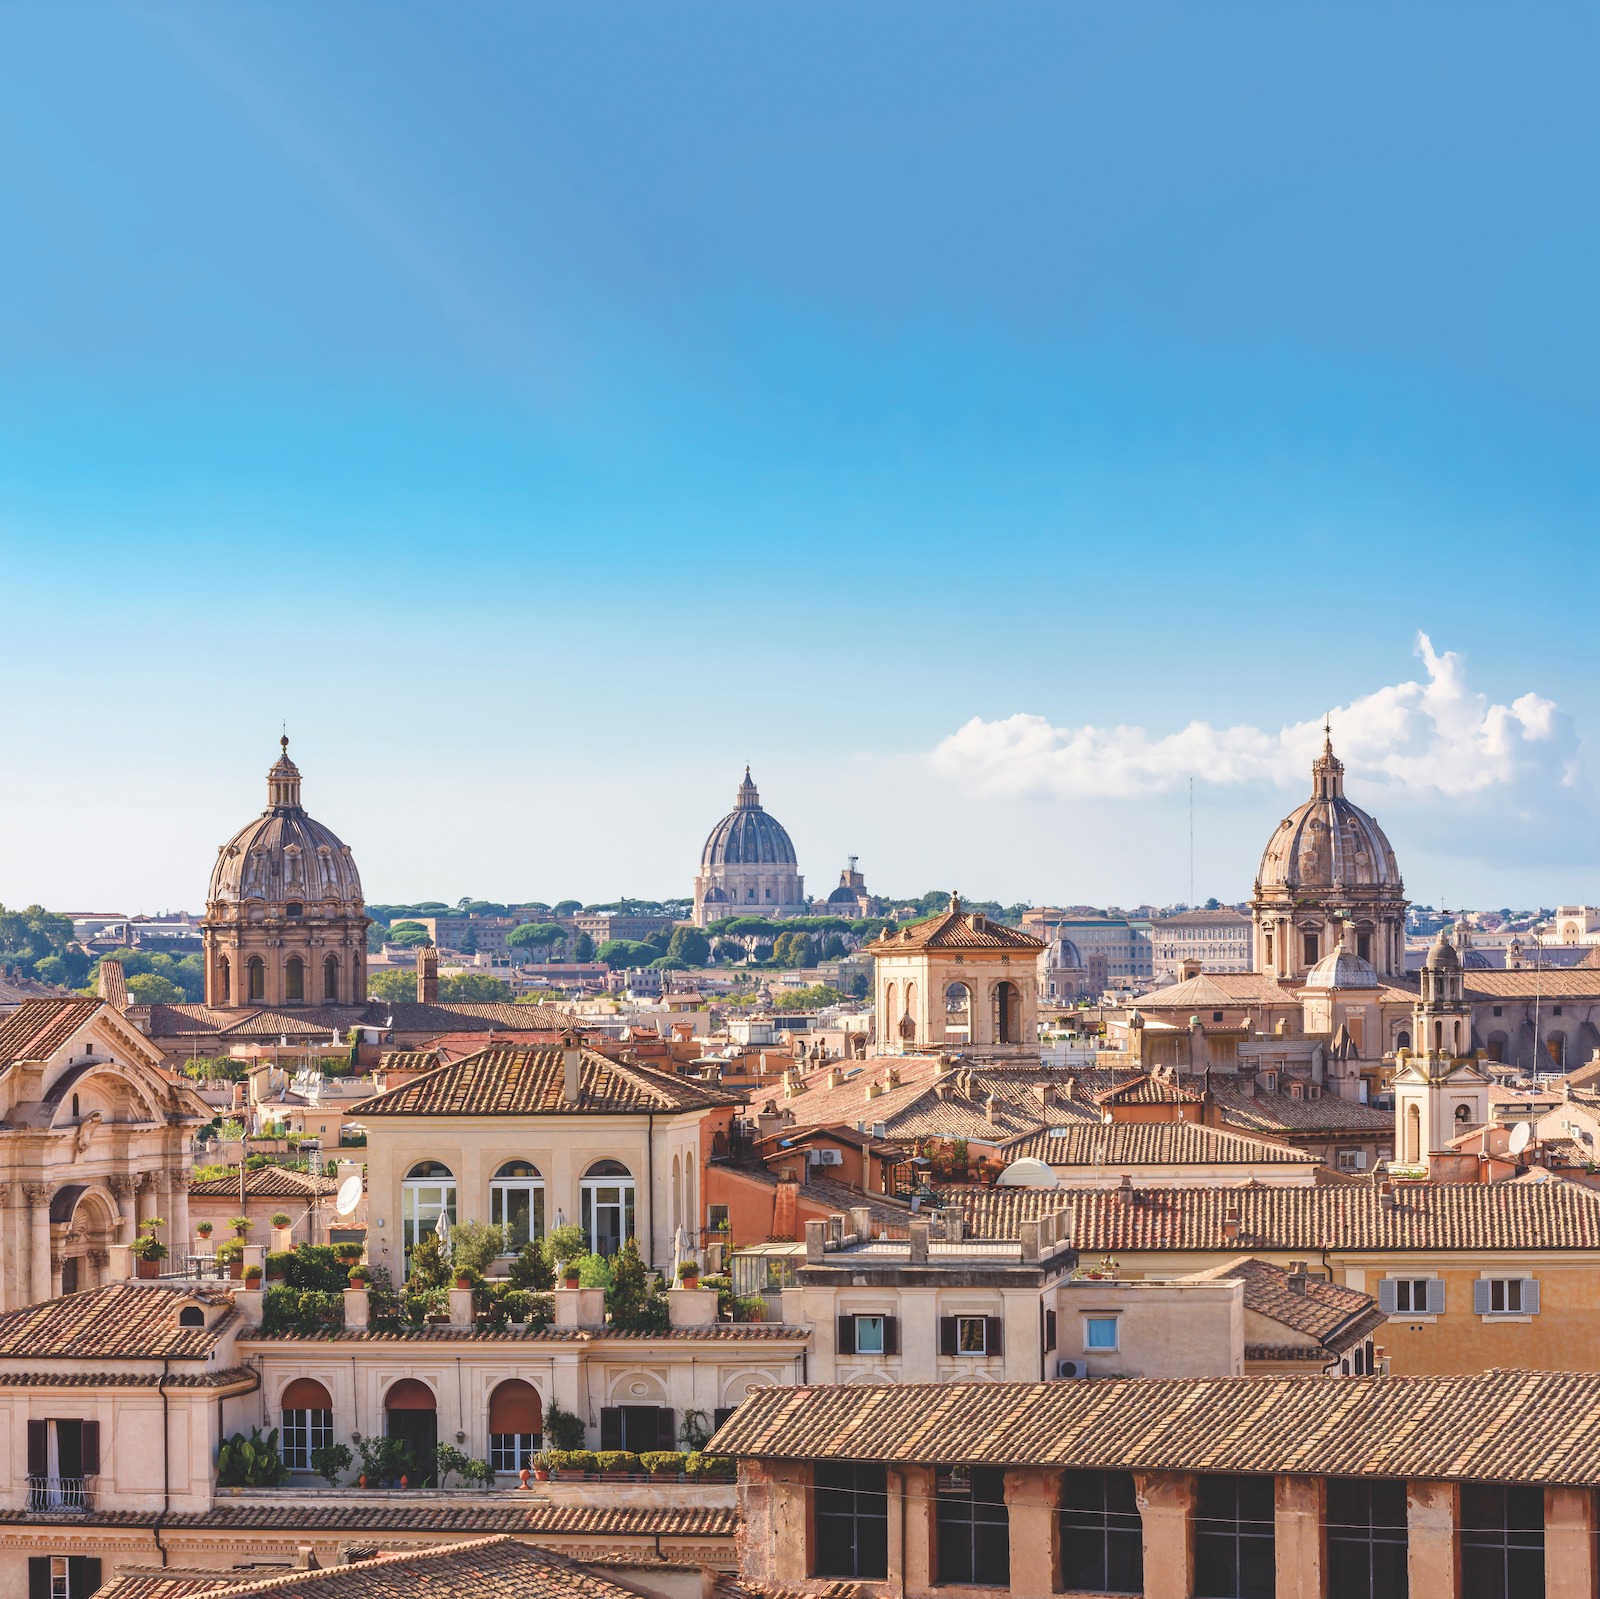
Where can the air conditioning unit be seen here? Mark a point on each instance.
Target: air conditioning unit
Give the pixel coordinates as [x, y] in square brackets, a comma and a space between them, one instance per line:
[1072, 1368]
[826, 1157]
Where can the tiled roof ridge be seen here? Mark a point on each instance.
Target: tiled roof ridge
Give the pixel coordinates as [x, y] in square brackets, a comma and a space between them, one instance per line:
[721, 1332]
[678, 1521]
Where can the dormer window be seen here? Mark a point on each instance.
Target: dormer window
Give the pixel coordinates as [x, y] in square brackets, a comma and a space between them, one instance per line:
[191, 1316]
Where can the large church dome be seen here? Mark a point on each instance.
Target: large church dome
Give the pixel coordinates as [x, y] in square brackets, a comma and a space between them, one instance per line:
[747, 836]
[1328, 843]
[285, 856]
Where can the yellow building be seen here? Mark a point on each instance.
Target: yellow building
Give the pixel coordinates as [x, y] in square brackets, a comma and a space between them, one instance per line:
[1472, 1275]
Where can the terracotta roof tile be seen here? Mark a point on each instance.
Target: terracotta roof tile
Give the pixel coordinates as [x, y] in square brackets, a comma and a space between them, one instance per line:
[1445, 1216]
[530, 1082]
[1147, 1089]
[1336, 1316]
[264, 1182]
[716, 1332]
[1451, 1428]
[121, 1321]
[954, 929]
[481, 1568]
[371, 1517]
[37, 1028]
[1282, 1112]
[1096, 1143]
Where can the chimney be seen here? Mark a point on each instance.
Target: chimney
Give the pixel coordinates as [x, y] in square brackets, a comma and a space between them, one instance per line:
[1230, 1224]
[571, 1067]
[1125, 1187]
[1296, 1279]
[835, 1077]
[427, 975]
[785, 1206]
[1386, 1194]
[306, 1559]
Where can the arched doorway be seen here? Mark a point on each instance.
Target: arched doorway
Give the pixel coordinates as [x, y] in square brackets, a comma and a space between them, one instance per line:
[409, 1412]
[516, 1425]
[1007, 1013]
[307, 1422]
[84, 1224]
[606, 1195]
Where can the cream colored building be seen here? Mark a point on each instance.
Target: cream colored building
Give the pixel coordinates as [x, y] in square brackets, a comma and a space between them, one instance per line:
[96, 1139]
[537, 1137]
[957, 981]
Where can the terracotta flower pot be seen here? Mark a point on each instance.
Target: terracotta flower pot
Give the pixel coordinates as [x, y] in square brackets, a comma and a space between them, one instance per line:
[236, 1269]
[147, 1268]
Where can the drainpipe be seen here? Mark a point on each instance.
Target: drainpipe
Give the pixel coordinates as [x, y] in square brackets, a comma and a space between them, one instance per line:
[166, 1458]
[650, 1189]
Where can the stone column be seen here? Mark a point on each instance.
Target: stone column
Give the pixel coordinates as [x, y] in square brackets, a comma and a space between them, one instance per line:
[145, 1182]
[1299, 1537]
[1032, 1497]
[39, 1285]
[1569, 1543]
[8, 1235]
[1433, 1558]
[121, 1186]
[178, 1239]
[1166, 1503]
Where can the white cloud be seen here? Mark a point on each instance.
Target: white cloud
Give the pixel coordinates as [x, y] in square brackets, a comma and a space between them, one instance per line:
[1423, 740]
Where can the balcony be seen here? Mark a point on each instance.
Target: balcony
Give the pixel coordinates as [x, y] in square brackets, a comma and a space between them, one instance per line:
[68, 1495]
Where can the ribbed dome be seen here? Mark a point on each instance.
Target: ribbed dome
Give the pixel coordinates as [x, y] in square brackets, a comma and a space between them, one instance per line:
[1342, 969]
[1442, 955]
[1064, 954]
[284, 855]
[747, 836]
[1328, 843]
[842, 896]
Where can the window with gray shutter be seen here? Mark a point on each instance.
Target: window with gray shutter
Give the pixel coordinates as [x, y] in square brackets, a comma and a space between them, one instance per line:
[1435, 1296]
[1386, 1296]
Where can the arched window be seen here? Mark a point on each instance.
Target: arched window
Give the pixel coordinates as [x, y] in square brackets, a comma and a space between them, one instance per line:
[428, 1191]
[225, 979]
[294, 978]
[410, 1412]
[677, 1193]
[516, 1202]
[330, 979]
[891, 1012]
[307, 1422]
[1413, 1135]
[1007, 1014]
[516, 1425]
[958, 1013]
[1402, 1039]
[606, 1195]
[256, 979]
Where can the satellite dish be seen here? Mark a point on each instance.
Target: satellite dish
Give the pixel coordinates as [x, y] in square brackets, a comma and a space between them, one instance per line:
[1027, 1173]
[1521, 1137]
[349, 1195]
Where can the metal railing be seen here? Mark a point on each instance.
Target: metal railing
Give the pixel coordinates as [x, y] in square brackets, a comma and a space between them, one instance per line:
[61, 1493]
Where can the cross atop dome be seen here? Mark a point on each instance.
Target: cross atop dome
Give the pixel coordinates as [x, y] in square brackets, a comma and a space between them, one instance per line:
[749, 799]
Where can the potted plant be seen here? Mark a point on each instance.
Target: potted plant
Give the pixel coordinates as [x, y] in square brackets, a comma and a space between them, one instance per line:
[231, 1255]
[240, 1225]
[360, 1276]
[205, 1229]
[664, 1464]
[252, 1276]
[750, 1307]
[689, 1273]
[541, 1466]
[148, 1250]
[569, 1274]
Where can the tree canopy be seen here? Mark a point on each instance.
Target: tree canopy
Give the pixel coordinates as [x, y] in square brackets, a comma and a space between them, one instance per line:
[689, 945]
[536, 935]
[184, 975]
[622, 954]
[475, 986]
[30, 936]
[409, 935]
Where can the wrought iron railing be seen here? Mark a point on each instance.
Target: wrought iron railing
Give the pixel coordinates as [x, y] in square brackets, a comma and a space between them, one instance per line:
[61, 1493]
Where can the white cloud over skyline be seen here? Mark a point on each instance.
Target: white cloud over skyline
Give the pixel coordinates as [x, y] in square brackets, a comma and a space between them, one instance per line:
[1487, 773]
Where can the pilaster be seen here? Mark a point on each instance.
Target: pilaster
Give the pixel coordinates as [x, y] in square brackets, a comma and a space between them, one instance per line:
[1299, 1537]
[1032, 1497]
[1433, 1555]
[1569, 1543]
[1166, 1504]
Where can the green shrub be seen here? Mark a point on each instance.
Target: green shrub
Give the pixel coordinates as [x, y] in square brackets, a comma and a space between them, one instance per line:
[251, 1462]
[617, 1460]
[330, 1461]
[277, 1263]
[530, 1269]
[703, 1465]
[281, 1218]
[661, 1461]
[571, 1460]
[563, 1430]
[384, 1461]
[230, 1250]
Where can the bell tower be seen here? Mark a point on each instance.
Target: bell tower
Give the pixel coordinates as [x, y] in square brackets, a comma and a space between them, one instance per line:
[1439, 1092]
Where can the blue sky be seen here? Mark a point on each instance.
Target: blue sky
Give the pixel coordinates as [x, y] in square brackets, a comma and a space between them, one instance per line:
[548, 409]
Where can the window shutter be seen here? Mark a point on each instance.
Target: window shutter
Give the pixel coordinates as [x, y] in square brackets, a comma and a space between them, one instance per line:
[83, 1576]
[719, 1416]
[39, 1462]
[666, 1428]
[91, 1449]
[610, 1427]
[847, 1335]
[891, 1335]
[1435, 1296]
[1530, 1296]
[947, 1335]
[994, 1341]
[1049, 1329]
[1386, 1295]
[38, 1574]
[1481, 1301]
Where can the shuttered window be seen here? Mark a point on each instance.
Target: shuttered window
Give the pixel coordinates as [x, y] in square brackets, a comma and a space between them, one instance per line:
[1411, 1296]
[1506, 1296]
